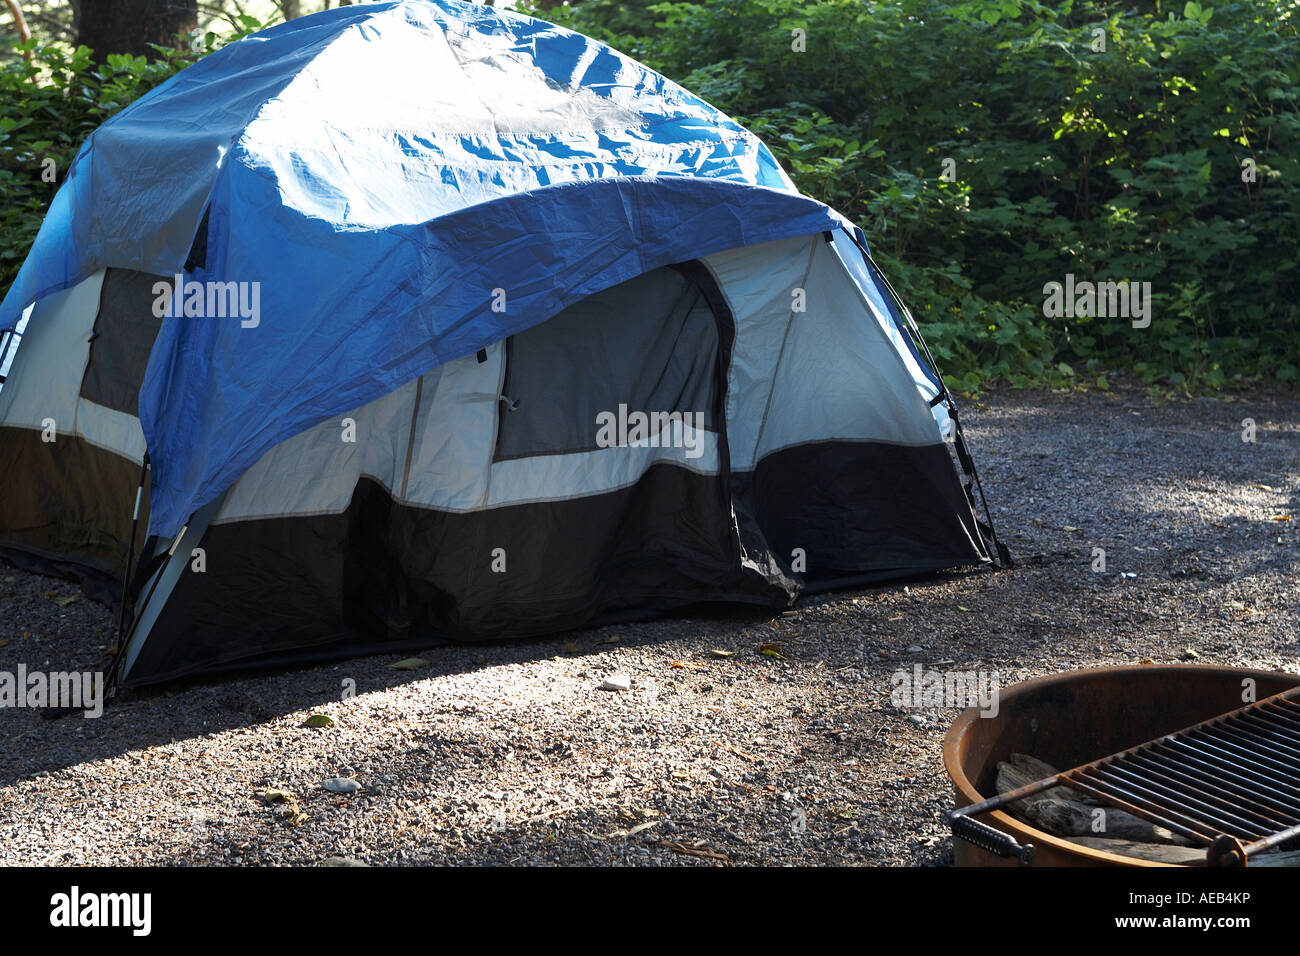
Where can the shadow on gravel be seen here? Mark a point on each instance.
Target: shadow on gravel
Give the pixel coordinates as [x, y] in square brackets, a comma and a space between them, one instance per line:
[82, 634]
[33, 744]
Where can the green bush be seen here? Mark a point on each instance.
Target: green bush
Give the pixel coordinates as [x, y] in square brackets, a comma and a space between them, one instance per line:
[1122, 163]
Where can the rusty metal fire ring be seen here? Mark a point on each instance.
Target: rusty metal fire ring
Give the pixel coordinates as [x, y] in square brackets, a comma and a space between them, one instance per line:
[1072, 718]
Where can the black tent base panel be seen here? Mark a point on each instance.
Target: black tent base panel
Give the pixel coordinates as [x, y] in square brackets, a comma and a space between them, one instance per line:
[860, 512]
[384, 576]
[95, 584]
[65, 508]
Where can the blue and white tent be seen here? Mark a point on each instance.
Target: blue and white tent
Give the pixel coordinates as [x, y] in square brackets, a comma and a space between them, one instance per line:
[441, 322]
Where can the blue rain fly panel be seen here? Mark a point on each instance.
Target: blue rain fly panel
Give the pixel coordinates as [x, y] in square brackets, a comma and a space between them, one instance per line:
[390, 186]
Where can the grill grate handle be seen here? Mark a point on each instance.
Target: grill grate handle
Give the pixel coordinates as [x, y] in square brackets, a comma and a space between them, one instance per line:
[988, 838]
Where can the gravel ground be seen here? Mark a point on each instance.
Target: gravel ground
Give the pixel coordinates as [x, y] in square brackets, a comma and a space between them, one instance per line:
[512, 754]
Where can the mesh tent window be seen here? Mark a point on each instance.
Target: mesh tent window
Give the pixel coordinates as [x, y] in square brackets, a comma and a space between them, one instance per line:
[649, 344]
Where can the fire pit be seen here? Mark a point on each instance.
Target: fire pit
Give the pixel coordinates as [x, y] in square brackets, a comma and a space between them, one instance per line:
[1073, 718]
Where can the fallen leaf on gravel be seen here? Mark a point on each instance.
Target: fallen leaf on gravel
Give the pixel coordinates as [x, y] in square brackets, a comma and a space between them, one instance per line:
[679, 664]
[3, 643]
[291, 813]
[341, 785]
[570, 648]
[772, 650]
[10, 579]
[1070, 527]
[409, 664]
[66, 599]
[962, 607]
[685, 850]
[718, 653]
[611, 640]
[318, 720]
[1264, 487]
[1280, 518]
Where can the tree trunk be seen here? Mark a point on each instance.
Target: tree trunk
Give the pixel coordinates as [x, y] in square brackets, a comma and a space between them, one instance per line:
[129, 26]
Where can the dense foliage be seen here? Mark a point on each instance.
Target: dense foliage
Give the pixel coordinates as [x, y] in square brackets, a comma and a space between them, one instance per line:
[1170, 156]
[1119, 163]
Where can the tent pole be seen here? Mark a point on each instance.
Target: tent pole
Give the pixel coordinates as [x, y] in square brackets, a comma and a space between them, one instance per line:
[967, 462]
[6, 337]
[164, 578]
[968, 465]
[111, 682]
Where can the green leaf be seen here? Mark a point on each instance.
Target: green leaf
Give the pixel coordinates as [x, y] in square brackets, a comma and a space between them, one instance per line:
[409, 664]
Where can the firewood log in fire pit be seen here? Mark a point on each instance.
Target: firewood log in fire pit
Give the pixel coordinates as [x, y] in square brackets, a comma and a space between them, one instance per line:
[1064, 812]
[1070, 815]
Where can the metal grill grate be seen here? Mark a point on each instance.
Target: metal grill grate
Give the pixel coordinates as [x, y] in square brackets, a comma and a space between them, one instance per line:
[1231, 784]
